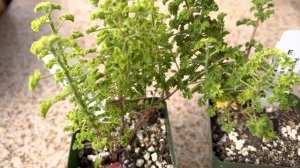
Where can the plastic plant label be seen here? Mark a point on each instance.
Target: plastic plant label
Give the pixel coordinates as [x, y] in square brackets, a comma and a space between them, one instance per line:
[71, 62]
[290, 44]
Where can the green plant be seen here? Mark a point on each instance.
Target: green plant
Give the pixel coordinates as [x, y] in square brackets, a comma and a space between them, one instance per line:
[136, 48]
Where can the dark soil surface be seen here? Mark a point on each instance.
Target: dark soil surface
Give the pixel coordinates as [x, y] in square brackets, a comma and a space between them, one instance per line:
[148, 148]
[240, 146]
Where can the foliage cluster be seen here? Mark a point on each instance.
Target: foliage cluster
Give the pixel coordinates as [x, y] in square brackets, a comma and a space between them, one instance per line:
[136, 48]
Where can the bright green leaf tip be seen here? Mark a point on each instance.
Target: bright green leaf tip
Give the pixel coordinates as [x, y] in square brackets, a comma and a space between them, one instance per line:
[44, 107]
[46, 6]
[34, 79]
[69, 17]
[36, 23]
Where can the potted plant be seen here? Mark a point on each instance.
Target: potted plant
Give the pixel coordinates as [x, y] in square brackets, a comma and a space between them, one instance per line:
[108, 84]
[254, 116]
[139, 49]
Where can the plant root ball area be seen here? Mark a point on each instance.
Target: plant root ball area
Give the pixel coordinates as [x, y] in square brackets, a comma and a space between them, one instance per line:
[148, 148]
[240, 146]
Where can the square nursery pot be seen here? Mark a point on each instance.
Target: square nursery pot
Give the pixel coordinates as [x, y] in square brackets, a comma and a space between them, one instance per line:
[73, 160]
[216, 163]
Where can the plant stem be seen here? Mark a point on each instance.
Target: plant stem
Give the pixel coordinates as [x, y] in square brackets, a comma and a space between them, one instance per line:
[168, 96]
[54, 30]
[71, 82]
[252, 37]
[59, 26]
[187, 4]
[47, 76]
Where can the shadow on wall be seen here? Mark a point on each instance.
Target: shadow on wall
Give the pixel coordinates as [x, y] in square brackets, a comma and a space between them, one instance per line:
[16, 62]
[3, 5]
[8, 39]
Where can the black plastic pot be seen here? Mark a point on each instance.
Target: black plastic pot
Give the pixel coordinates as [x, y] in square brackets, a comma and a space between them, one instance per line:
[73, 161]
[216, 163]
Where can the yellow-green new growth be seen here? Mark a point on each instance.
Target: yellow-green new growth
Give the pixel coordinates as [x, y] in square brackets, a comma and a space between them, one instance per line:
[44, 107]
[36, 23]
[34, 79]
[38, 47]
[69, 17]
[47, 7]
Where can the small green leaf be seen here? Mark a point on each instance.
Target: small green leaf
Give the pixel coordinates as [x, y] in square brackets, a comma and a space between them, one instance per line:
[246, 21]
[36, 23]
[261, 127]
[34, 79]
[92, 29]
[69, 17]
[44, 107]
[76, 35]
[46, 7]
[211, 111]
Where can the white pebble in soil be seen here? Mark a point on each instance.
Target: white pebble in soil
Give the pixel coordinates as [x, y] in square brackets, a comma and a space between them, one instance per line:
[163, 128]
[151, 149]
[283, 130]
[229, 152]
[92, 157]
[293, 134]
[139, 163]
[162, 121]
[233, 136]
[147, 156]
[158, 164]
[103, 154]
[137, 150]
[154, 157]
[132, 127]
[131, 165]
[128, 148]
[139, 134]
[288, 128]
[298, 151]
[245, 153]
[127, 117]
[239, 144]
[251, 148]
[126, 161]
[224, 138]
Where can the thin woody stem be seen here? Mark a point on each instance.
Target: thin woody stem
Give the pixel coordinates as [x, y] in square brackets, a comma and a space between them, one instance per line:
[252, 37]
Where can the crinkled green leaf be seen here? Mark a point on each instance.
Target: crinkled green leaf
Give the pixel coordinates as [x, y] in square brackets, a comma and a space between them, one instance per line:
[34, 79]
[36, 23]
[46, 6]
[44, 107]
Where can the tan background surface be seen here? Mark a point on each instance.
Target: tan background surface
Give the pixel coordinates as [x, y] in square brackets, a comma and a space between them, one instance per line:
[26, 140]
